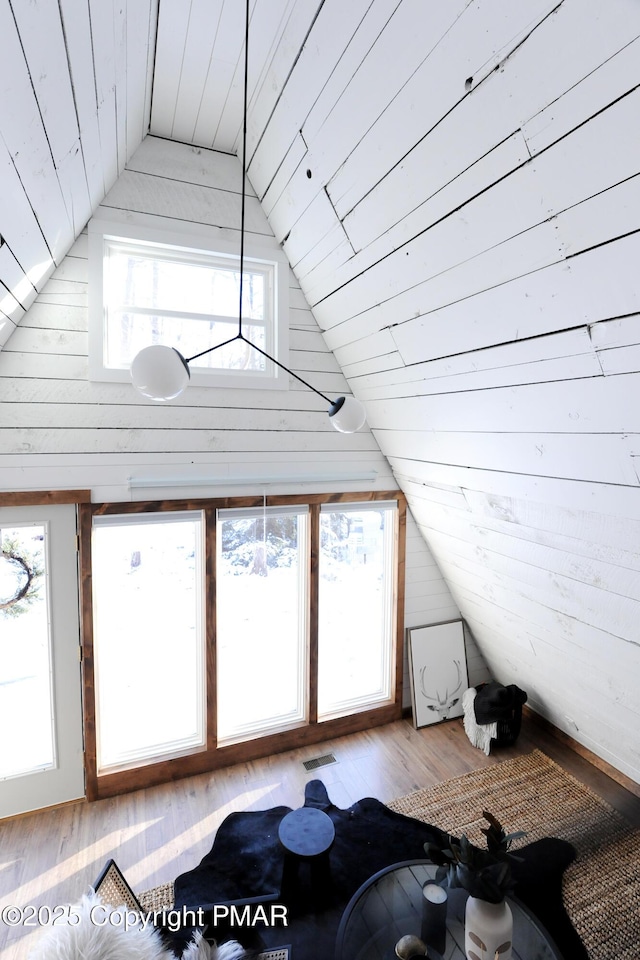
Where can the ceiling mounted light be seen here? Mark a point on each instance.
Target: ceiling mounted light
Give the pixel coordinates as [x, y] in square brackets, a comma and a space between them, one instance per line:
[162, 373]
[159, 372]
[347, 414]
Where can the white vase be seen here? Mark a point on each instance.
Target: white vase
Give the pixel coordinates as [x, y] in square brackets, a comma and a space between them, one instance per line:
[488, 930]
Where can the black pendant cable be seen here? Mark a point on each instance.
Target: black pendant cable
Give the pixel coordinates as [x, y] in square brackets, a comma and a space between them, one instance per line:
[162, 373]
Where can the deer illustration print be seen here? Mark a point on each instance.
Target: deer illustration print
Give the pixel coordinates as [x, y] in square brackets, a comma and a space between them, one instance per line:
[437, 700]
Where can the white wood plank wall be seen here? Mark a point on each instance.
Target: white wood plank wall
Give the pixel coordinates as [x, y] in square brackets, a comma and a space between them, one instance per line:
[75, 100]
[58, 429]
[458, 192]
[428, 600]
[457, 188]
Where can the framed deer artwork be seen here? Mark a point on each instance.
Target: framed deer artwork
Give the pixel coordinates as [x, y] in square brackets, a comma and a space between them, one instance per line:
[438, 671]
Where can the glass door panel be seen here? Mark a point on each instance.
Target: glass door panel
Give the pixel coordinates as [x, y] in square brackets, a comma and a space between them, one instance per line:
[356, 606]
[41, 758]
[148, 635]
[261, 618]
[26, 696]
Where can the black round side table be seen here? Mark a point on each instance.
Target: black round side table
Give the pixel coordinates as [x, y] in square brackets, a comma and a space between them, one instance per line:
[307, 835]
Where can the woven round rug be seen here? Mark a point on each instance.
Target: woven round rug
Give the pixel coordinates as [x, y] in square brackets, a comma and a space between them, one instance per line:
[601, 889]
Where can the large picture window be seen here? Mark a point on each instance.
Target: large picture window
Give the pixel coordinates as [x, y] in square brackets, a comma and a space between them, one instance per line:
[184, 294]
[355, 607]
[219, 631]
[261, 620]
[148, 599]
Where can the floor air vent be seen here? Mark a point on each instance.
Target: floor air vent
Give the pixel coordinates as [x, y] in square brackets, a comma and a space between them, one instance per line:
[319, 762]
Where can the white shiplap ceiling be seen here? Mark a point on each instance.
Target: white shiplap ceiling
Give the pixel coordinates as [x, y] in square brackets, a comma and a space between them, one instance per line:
[199, 64]
[83, 81]
[75, 95]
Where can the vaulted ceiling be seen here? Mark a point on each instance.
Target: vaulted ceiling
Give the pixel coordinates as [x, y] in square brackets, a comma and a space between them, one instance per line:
[457, 188]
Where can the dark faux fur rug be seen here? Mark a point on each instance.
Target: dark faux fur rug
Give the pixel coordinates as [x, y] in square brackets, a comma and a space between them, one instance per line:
[246, 861]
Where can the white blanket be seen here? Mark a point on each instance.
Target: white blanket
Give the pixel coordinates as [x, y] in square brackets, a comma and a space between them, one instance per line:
[480, 734]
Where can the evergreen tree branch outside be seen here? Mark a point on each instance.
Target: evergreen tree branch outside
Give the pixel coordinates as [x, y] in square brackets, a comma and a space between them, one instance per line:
[248, 548]
[26, 573]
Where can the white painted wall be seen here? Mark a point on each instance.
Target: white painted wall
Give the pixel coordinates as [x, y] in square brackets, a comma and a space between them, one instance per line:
[59, 430]
[429, 600]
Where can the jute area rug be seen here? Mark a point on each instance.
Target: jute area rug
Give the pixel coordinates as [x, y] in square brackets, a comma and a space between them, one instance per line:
[601, 889]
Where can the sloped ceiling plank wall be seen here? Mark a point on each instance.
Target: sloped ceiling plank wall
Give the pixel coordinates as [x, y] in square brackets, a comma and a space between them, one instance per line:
[458, 195]
[75, 97]
[199, 65]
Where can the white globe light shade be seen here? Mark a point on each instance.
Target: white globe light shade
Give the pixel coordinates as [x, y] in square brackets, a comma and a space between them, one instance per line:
[347, 414]
[159, 372]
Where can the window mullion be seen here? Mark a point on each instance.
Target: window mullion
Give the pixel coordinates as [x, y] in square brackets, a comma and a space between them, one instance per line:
[129, 308]
[314, 592]
[211, 692]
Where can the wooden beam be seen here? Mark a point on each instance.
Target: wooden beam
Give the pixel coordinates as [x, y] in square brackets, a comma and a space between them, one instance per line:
[29, 498]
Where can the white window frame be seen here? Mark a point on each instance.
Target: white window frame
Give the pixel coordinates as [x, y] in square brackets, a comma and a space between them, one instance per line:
[198, 242]
[385, 694]
[198, 741]
[251, 730]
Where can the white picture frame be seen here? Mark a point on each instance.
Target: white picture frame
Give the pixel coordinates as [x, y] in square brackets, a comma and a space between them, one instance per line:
[437, 671]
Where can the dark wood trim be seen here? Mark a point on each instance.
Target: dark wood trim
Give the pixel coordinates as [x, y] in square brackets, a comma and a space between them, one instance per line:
[223, 503]
[114, 784]
[211, 666]
[314, 597]
[582, 751]
[88, 675]
[401, 540]
[214, 756]
[40, 498]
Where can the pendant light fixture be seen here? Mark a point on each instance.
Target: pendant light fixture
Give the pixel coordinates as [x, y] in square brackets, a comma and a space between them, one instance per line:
[162, 373]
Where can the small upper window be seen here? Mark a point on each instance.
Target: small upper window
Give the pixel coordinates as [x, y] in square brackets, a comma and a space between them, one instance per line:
[145, 292]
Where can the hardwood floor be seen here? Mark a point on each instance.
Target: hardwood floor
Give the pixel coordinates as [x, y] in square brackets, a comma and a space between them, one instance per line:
[51, 857]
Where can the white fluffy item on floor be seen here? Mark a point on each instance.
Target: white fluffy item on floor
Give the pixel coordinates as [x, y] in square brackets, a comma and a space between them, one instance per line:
[480, 734]
[88, 940]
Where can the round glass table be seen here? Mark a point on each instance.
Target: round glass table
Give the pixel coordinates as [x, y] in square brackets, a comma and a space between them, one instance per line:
[389, 906]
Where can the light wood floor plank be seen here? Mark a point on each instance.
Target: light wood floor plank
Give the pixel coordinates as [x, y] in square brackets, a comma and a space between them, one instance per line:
[52, 857]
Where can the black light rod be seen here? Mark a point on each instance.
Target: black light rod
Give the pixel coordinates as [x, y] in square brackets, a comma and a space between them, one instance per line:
[290, 372]
[224, 343]
[244, 160]
[241, 336]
